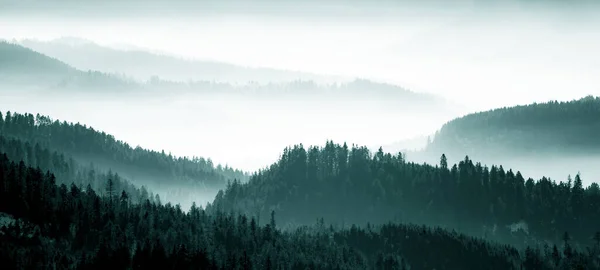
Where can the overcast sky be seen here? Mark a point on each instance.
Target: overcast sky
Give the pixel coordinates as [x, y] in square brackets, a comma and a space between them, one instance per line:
[485, 57]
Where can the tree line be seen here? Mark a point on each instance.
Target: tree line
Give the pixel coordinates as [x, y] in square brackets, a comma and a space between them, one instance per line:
[60, 227]
[348, 186]
[557, 128]
[66, 169]
[88, 145]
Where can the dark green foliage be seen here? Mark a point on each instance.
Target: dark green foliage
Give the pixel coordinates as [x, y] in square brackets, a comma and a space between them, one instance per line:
[428, 248]
[82, 230]
[351, 186]
[79, 222]
[88, 145]
[557, 128]
[66, 169]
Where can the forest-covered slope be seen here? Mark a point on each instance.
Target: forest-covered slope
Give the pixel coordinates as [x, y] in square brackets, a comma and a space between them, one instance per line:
[142, 65]
[23, 67]
[552, 128]
[177, 179]
[18, 59]
[91, 145]
[66, 169]
[49, 226]
[28, 68]
[349, 186]
[553, 139]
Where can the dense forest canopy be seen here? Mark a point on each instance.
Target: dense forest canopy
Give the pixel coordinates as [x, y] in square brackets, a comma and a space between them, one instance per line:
[178, 179]
[349, 185]
[45, 225]
[483, 193]
[65, 168]
[552, 139]
[555, 128]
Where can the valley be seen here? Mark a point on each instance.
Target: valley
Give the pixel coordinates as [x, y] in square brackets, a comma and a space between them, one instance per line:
[299, 135]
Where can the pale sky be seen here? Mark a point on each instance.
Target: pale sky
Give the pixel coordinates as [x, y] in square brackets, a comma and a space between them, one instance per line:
[504, 58]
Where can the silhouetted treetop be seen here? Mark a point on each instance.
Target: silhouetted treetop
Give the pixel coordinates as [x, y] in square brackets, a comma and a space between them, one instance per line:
[89, 145]
[558, 128]
[348, 186]
[50, 226]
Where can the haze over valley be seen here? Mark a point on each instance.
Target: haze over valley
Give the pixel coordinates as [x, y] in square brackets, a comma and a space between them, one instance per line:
[259, 118]
[299, 134]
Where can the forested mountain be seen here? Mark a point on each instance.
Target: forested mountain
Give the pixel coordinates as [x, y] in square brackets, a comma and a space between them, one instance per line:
[15, 59]
[143, 65]
[23, 67]
[157, 170]
[49, 226]
[553, 139]
[365, 93]
[348, 186]
[66, 169]
[370, 94]
[552, 128]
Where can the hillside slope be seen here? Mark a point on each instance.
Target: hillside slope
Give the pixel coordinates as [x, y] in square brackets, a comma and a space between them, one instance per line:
[22, 67]
[551, 139]
[47, 226]
[191, 179]
[349, 186]
[66, 169]
[15, 59]
[142, 65]
[537, 129]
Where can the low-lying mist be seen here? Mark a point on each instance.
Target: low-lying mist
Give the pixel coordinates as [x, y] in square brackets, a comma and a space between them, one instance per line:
[474, 54]
[241, 131]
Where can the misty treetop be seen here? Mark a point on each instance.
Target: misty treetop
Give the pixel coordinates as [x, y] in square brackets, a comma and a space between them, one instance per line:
[57, 227]
[67, 170]
[16, 59]
[89, 145]
[557, 128]
[349, 185]
[23, 66]
[66, 77]
[143, 65]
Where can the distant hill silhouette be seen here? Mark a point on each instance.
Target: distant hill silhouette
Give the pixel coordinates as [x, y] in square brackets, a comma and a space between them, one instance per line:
[540, 128]
[24, 67]
[552, 139]
[143, 65]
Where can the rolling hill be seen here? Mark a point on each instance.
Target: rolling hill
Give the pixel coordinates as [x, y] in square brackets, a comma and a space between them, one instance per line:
[47, 226]
[15, 59]
[143, 65]
[537, 129]
[177, 179]
[23, 68]
[552, 139]
[349, 185]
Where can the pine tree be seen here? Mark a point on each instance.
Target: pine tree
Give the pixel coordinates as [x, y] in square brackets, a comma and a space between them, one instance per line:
[444, 162]
[110, 190]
